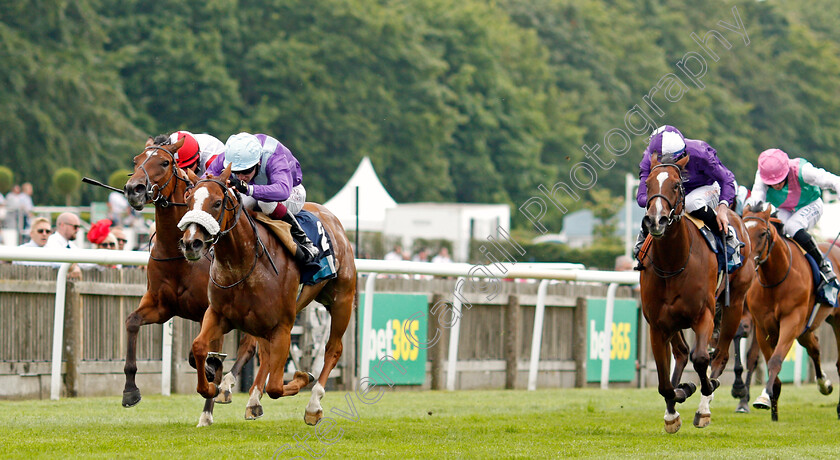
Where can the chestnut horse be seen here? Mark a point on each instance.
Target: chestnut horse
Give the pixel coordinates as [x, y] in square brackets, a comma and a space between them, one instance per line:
[678, 291]
[255, 286]
[175, 287]
[781, 301]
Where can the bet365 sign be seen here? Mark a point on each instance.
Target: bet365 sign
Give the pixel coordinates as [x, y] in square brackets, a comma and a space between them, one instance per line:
[397, 330]
[622, 345]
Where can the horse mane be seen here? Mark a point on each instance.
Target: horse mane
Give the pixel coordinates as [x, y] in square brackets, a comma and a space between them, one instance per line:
[162, 139]
[756, 207]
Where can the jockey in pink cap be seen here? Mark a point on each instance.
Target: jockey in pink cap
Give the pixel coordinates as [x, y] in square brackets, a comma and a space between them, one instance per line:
[794, 186]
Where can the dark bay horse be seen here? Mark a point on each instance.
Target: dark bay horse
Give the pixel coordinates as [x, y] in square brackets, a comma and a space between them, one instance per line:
[248, 294]
[678, 291]
[781, 302]
[175, 287]
[746, 334]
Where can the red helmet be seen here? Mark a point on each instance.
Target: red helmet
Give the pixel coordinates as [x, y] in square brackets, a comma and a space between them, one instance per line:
[188, 153]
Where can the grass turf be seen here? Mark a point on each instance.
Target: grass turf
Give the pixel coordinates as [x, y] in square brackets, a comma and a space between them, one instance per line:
[620, 423]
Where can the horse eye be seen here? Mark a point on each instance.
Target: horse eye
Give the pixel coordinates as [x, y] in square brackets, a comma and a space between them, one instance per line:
[217, 204]
[165, 163]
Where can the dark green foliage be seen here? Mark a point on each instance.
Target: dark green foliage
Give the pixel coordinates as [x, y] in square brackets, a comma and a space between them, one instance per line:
[453, 100]
[7, 179]
[66, 181]
[118, 178]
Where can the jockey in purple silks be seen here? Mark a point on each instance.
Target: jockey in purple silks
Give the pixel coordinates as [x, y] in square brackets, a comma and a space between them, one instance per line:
[794, 186]
[269, 176]
[709, 185]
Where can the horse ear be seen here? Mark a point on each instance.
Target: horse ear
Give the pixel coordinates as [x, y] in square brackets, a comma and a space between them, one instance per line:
[654, 160]
[225, 175]
[191, 176]
[187, 194]
[176, 146]
[150, 141]
[682, 162]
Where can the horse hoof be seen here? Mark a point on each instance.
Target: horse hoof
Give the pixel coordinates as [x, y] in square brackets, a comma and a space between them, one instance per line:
[672, 426]
[742, 408]
[702, 420]
[689, 388]
[253, 412]
[715, 384]
[131, 398]
[312, 419]
[825, 386]
[224, 398]
[739, 391]
[206, 419]
[762, 402]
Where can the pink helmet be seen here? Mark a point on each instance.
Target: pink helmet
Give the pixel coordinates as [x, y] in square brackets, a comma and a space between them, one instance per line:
[773, 166]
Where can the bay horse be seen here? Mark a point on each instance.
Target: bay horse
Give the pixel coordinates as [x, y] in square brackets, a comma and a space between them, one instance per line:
[174, 286]
[255, 287]
[678, 291]
[781, 302]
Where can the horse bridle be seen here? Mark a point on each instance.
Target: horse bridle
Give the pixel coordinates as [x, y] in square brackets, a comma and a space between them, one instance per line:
[672, 217]
[236, 203]
[766, 248]
[154, 192]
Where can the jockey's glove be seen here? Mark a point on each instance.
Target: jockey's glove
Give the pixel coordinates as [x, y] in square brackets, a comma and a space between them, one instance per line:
[240, 185]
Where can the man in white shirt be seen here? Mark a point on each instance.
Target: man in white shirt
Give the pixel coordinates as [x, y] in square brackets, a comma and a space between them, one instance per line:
[38, 234]
[66, 227]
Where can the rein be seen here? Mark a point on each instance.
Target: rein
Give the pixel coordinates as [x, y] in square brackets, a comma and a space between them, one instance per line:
[237, 208]
[769, 244]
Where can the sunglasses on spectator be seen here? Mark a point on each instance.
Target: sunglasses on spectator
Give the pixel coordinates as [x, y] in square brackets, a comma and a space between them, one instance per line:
[120, 240]
[75, 226]
[107, 245]
[43, 230]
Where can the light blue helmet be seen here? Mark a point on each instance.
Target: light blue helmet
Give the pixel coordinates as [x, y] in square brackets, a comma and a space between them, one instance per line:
[242, 151]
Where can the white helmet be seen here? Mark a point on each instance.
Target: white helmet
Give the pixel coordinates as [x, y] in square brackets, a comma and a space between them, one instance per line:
[242, 151]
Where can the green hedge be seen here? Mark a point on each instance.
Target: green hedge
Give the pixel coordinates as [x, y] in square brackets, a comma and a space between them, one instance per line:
[596, 256]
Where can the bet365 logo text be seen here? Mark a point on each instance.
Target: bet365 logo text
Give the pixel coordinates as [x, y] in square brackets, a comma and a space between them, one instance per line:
[393, 341]
[619, 346]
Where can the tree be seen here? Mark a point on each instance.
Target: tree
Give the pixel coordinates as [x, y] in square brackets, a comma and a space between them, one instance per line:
[66, 182]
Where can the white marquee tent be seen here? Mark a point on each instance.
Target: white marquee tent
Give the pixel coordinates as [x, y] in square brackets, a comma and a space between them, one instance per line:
[373, 200]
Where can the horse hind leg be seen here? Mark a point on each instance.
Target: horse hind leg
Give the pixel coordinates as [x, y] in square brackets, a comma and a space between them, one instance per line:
[253, 409]
[279, 351]
[811, 343]
[340, 311]
[739, 388]
[701, 360]
[679, 349]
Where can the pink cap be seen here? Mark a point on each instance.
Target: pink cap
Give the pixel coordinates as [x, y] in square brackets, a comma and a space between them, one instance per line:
[773, 166]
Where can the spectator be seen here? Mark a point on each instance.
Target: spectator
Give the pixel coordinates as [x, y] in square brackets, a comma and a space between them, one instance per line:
[395, 254]
[421, 256]
[118, 211]
[442, 256]
[623, 263]
[100, 235]
[38, 234]
[13, 208]
[26, 203]
[66, 226]
[119, 234]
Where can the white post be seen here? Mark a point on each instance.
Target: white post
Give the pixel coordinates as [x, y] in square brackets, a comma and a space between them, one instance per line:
[367, 324]
[58, 331]
[608, 320]
[166, 359]
[797, 362]
[454, 335]
[536, 338]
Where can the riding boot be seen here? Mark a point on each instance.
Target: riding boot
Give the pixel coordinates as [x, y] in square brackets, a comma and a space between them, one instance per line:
[640, 240]
[729, 237]
[810, 246]
[306, 251]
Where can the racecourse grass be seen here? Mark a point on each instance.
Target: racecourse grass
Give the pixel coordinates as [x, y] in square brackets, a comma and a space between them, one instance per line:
[583, 423]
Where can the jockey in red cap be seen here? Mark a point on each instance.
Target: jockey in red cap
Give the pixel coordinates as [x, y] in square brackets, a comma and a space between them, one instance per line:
[198, 151]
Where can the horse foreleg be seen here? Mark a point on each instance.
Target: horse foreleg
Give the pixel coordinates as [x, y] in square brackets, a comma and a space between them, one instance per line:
[679, 349]
[752, 363]
[787, 334]
[738, 386]
[659, 345]
[279, 351]
[254, 409]
[146, 313]
[213, 327]
[247, 348]
[835, 324]
[703, 329]
[811, 343]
